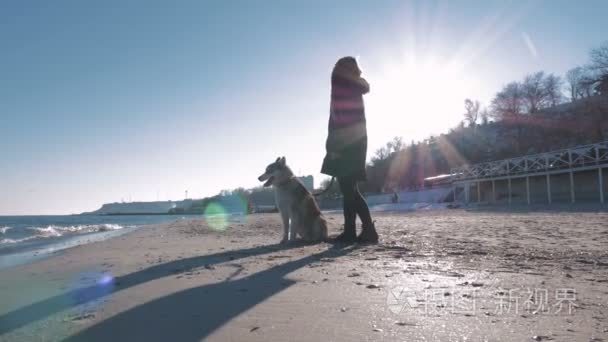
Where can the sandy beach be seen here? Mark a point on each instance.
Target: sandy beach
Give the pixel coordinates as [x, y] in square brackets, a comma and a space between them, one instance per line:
[438, 275]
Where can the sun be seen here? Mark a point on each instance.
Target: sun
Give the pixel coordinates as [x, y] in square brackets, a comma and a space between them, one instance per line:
[416, 99]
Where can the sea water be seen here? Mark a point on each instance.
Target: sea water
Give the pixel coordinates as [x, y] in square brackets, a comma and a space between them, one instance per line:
[27, 238]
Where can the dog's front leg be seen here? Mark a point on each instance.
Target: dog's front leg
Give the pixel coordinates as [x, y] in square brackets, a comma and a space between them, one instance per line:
[285, 218]
[294, 225]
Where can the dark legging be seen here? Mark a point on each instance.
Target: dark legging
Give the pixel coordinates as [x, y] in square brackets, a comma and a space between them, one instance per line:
[354, 204]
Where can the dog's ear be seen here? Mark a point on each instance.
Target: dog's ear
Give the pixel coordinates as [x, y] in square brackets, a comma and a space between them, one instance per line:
[282, 161]
[278, 160]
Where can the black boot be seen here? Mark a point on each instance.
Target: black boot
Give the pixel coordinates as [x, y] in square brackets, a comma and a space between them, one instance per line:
[368, 234]
[349, 235]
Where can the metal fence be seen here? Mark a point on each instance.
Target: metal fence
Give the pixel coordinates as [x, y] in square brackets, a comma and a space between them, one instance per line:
[579, 157]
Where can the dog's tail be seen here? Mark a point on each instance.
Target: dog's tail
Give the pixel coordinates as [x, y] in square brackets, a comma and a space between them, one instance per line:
[331, 182]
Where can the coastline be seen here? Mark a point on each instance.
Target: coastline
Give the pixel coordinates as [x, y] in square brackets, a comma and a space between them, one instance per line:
[28, 238]
[186, 281]
[143, 214]
[30, 254]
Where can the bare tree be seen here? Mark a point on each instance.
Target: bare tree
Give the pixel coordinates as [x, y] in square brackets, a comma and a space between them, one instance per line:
[599, 59]
[573, 78]
[485, 116]
[397, 144]
[508, 102]
[602, 86]
[533, 92]
[583, 80]
[472, 111]
[553, 89]
[587, 83]
[380, 155]
[507, 106]
[599, 66]
[580, 82]
[387, 152]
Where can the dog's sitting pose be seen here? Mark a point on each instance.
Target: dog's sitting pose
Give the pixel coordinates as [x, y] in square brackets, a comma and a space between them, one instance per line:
[298, 208]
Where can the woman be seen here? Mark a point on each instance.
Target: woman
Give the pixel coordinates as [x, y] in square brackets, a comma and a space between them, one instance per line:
[347, 147]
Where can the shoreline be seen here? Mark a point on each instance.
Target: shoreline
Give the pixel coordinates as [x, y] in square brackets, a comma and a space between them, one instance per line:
[40, 237]
[187, 281]
[33, 253]
[143, 214]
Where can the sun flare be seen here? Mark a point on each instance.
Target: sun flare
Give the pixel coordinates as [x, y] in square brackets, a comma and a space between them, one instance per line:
[415, 99]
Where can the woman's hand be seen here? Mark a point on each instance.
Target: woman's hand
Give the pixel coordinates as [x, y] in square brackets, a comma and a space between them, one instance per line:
[363, 85]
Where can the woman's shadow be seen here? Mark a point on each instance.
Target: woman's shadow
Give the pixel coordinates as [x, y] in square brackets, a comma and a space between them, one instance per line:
[188, 315]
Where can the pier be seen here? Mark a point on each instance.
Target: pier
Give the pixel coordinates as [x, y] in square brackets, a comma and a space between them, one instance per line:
[567, 175]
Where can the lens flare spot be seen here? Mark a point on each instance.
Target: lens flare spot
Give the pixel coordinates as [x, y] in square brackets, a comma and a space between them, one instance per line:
[89, 288]
[216, 216]
[105, 279]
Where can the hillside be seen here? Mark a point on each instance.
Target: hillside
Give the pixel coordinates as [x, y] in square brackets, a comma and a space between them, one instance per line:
[579, 122]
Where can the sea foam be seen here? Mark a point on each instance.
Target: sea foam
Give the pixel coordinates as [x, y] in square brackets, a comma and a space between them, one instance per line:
[53, 231]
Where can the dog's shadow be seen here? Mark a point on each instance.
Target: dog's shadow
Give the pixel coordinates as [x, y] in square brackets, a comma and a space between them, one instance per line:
[188, 315]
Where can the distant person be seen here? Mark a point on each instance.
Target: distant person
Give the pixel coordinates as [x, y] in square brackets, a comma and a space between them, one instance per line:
[395, 198]
[347, 147]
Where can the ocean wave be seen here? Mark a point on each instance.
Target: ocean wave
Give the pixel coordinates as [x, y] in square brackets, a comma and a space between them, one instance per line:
[51, 231]
[57, 231]
[10, 241]
[3, 230]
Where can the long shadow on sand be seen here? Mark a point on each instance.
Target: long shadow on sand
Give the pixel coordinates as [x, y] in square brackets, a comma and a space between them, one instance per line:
[195, 313]
[47, 307]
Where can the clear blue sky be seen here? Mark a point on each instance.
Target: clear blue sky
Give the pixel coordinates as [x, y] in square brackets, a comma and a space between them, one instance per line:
[144, 99]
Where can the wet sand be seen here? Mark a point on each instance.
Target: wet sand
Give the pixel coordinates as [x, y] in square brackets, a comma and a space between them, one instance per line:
[440, 275]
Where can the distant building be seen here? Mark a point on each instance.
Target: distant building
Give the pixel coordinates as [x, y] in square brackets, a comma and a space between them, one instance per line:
[132, 208]
[262, 198]
[308, 181]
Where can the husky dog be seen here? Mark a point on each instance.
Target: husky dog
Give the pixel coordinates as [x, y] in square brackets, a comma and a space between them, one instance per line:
[298, 208]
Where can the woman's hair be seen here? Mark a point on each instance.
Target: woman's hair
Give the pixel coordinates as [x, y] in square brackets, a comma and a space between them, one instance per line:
[346, 67]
